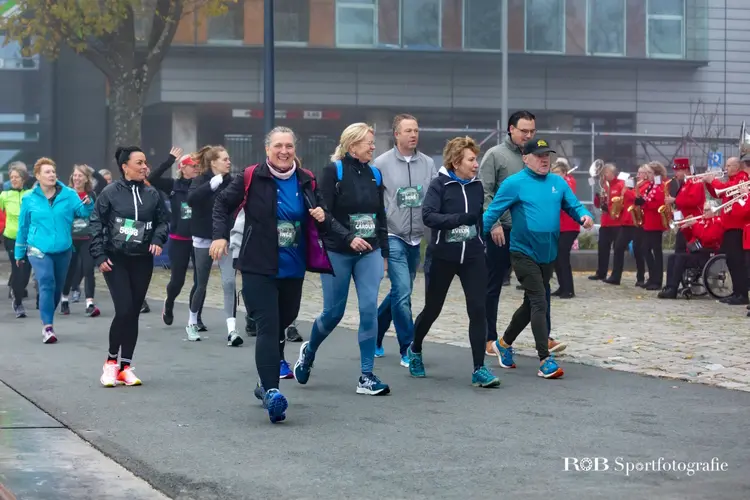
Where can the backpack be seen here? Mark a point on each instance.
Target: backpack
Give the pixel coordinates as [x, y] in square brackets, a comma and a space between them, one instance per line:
[375, 172]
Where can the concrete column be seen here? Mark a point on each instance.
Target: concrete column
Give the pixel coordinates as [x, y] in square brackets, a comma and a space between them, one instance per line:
[185, 128]
[382, 122]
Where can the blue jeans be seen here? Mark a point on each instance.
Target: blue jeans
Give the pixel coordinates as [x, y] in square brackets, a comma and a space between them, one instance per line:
[403, 262]
[367, 271]
[50, 271]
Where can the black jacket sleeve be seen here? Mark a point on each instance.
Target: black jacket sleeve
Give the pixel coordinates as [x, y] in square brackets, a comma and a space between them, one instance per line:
[99, 226]
[226, 203]
[200, 189]
[431, 206]
[160, 222]
[29, 182]
[155, 177]
[101, 182]
[382, 224]
[329, 226]
[327, 189]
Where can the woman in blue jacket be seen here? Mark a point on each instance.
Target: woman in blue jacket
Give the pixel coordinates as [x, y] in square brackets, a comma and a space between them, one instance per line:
[45, 236]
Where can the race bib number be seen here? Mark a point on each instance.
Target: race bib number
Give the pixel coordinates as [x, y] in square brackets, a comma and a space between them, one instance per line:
[287, 233]
[80, 226]
[186, 211]
[409, 197]
[129, 230]
[363, 225]
[461, 234]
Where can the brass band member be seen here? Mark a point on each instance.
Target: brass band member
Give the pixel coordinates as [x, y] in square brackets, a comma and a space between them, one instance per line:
[569, 231]
[611, 188]
[629, 232]
[650, 198]
[734, 224]
[687, 196]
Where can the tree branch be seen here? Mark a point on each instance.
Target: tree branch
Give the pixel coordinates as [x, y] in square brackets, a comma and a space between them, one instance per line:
[166, 17]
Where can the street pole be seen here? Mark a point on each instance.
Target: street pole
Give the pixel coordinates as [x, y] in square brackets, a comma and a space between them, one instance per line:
[504, 84]
[269, 101]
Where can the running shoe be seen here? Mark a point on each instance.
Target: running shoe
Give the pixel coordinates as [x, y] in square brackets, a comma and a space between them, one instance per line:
[416, 367]
[483, 377]
[304, 364]
[75, 296]
[504, 355]
[273, 401]
[555, 346]
[48, 335]
[379, 352]
[126, 376]
[285, 372]
[371, 385]
[192, 333]
[292, 334]
[550, 369]
[201, 326]
[64, 307]
[234, 340]
[405, 361]
[167, 314]
[145, 308]
[92, 311]
[110, 373]
[20, 311]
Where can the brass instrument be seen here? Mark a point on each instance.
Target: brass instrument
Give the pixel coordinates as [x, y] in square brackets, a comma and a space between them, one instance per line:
[635, 211]
[617, 203]
[666, 212]
[680, 223]
[727, 207]
[718, 174]
[733, 190]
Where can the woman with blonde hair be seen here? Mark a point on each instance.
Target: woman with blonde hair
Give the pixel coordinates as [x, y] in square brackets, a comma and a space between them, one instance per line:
[353, 192]
[10, 204]
[569, 231]
[650, 196]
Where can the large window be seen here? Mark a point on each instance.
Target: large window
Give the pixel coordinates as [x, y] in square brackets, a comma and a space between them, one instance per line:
[545, 25]
[291, 21]
[606, 27]
[666, 28]
[11, 57]
[483, 21]
[356, 23]
[229, 28]
[420, 23]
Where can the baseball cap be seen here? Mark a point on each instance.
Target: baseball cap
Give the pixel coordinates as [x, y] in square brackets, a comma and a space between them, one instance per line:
[537, 147]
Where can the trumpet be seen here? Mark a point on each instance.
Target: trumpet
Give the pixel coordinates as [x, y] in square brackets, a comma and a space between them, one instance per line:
[680, 223]
[727, 207]
[718, 174]
[572, 170]
[733, 190]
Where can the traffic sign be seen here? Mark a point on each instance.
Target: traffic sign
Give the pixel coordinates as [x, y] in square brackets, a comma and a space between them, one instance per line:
[715, 160]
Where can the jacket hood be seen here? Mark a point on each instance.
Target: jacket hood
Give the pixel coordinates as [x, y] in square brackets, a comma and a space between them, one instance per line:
[444, 171]
[398, 154]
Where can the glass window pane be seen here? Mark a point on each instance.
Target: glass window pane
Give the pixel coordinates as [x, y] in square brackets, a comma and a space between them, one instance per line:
[606, 27]
[666, 7]
[545, 25]
[291, 20]
[420, 25]
[665, 37]
[230, 26]
[483, 24]
[356, 26]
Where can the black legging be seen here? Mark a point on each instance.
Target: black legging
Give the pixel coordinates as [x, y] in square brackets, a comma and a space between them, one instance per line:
[646, 258]
[128, 283]
[563, 268]
[273, 304]
[473, 276]
[607, 237]
[624, 237]
[81, 264]
[654, 256]
[731, 246]
[180, 255]
[19, 276]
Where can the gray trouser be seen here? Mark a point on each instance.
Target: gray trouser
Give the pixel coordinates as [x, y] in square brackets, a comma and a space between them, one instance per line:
[203, 263]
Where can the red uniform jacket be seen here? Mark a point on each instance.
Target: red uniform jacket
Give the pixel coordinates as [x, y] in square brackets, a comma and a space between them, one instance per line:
[690, 199]
[567, 223]
[709, 232]
[654, 196]
[626, 219]
[731, 219]
[742, 212]
[615, 189]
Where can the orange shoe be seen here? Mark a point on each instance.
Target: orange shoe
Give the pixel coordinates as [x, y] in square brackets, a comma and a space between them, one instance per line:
[110, 373]
[488, 349]
[555, 346]
[127, 377]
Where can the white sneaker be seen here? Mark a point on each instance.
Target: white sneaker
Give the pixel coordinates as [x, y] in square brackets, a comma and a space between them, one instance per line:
[192, 333]
[233, 339]
[109, 374]
[48, 336]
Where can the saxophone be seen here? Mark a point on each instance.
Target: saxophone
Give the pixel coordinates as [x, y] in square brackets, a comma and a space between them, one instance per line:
[635, 211]
[617, 204]
[665, 211]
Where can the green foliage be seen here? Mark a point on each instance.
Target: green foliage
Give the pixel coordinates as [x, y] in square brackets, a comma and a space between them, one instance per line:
[587, 241]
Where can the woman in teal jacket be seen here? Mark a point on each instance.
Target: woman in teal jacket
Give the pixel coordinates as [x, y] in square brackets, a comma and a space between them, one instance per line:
[10, 203]
[44, 236]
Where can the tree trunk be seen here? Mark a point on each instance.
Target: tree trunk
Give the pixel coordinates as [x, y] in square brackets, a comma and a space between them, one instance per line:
[125, 113]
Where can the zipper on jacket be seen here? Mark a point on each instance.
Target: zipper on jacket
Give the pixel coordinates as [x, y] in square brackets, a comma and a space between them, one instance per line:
[466, 207]
[411, 210]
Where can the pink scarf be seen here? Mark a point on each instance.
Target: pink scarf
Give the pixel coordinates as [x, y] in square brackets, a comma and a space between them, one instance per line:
[279, 174]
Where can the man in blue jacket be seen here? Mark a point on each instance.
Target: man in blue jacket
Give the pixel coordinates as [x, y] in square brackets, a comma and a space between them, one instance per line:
[534, 199]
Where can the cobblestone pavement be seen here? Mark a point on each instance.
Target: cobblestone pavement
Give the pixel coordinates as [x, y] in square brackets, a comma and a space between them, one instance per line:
[621, 328]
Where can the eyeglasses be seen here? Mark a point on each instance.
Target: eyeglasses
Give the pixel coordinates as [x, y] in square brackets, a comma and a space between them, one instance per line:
[527, 132]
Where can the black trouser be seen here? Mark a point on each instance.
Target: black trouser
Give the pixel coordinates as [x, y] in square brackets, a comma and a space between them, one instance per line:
[731, 246]
[19, 275]
[473, 276]
[274, 304]
[654, 256]
[498, 269]
[534, 279]
[607, 237]
[128, 283]
[680, 244]
[82, 263]
[180, 254]
[562, 265]
[678, 262]
[625, 235]
[645, 258]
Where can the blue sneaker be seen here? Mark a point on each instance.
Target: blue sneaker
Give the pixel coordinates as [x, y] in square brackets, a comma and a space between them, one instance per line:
[379, 352]
[550, 369]
[416, 367]
[304, 364]
[405, 361]
[504, 355]
[483, 377]
[372, 386]
[273, 401]
[285, 372]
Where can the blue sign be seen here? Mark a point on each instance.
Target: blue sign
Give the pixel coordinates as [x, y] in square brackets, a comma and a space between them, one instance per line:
[715, 160]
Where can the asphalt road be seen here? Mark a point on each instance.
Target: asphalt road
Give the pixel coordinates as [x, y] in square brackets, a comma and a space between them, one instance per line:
[194, 430]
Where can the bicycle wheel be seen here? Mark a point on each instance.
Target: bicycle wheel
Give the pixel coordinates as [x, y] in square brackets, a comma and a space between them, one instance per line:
[716, 277]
